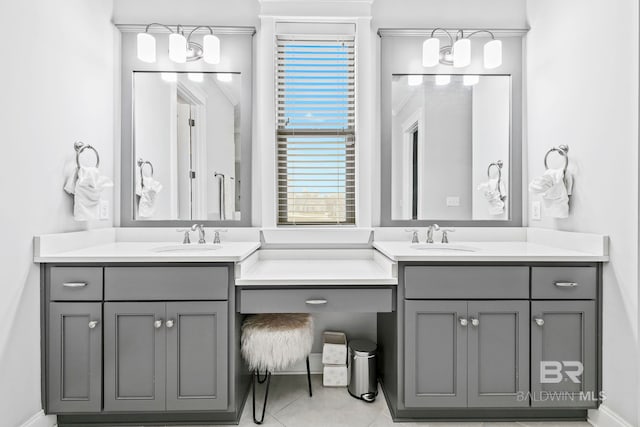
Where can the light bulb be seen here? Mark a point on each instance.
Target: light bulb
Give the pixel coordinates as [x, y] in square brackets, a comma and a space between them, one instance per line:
[493, 54]
[211, 49]
[177, 48]
[462, 53]
[224, 77]
[196, 77]
[443, 79]
[430, 52]
[470, 80]
[414, 80]
[146, 47]
[169, 77]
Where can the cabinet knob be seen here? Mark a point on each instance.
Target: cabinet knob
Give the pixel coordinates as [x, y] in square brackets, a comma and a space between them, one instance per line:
[93, 324]
[157, 324]
[475, 322]
[539, 321]
[169, 323]
[463, 321]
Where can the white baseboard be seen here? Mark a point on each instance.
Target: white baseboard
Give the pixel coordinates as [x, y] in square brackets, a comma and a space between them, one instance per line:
[315, 365]
[605, 417]
[40, 420]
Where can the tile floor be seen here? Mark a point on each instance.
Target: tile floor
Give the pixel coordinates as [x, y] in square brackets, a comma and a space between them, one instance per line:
[290, 406]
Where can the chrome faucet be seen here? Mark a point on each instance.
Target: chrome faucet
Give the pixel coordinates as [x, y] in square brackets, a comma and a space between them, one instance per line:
[200, 228]
[216, 236]
[445, 235]
[414, 237]
[430, 230]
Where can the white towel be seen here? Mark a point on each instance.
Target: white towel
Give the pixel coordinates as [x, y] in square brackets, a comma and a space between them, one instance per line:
[491, 191]
[148, 191]
[555, 189]
[87, 189]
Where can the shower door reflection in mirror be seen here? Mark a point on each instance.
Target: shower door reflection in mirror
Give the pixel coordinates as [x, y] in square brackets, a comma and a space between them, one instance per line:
[186, 132]
[450, 147]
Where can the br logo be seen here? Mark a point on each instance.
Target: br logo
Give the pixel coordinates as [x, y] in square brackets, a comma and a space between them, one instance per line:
[554, 372]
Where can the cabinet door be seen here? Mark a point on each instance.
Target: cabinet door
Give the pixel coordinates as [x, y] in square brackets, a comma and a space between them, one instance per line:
[498, 358]
[563, 354]
[134, 359]
[435, 354]
[75, 357]
[197, 355]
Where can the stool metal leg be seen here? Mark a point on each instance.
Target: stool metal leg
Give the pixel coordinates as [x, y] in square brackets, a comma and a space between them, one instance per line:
[267, 378]
[261, 381]
[309, 378]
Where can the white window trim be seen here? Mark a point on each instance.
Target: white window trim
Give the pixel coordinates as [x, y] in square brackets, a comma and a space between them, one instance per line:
[265, 191]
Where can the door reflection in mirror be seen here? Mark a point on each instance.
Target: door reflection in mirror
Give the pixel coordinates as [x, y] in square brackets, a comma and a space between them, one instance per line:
[189, 128]
[444, 136]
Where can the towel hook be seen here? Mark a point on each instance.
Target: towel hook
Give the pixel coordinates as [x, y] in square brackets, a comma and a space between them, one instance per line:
[498, 165]
[80, 146]
[141, 164]
[563, 150]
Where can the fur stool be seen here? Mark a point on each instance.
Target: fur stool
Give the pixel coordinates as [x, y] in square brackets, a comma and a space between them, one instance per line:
[272, 342]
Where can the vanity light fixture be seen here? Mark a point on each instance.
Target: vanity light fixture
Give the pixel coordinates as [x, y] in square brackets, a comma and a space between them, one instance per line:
[458, 52]
[414, 80]
[169, 77]
[181, 48]
[196, 77]
[470, 80]
[443, 79]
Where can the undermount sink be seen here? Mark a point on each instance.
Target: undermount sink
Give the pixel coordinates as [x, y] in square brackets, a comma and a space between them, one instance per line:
[190, 247]
[442, 247]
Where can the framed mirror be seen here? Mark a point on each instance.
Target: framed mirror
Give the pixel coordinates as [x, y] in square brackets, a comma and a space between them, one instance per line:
[186, 136]
[451, 137]
[186, 144]
[450, 147]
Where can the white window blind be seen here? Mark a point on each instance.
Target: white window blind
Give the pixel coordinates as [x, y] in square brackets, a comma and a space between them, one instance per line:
[316, 130]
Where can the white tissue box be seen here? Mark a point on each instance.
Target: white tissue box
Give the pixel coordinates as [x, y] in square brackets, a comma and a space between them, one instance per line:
[334, 348]
[334, 376]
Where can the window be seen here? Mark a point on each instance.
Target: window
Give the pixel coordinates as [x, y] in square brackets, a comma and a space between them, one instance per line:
[316, 130]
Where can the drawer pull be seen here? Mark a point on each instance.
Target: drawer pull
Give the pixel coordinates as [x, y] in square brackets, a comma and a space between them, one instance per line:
[169, 323]
[74, 284]
[463, 321]
[93, 324]
[157, 324]
[475, 321]
[316, 301]
[566, 284]
[539, 321]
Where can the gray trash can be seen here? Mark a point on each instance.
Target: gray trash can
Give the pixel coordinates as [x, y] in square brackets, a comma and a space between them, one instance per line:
[363, 379]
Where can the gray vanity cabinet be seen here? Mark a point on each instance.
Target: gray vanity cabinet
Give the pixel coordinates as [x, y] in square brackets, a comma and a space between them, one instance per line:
[435, 354]
[135, 356]
[196, 355]
[165, 356]
[498, 355]
[75, 357]
[466, 353]
[563, 354]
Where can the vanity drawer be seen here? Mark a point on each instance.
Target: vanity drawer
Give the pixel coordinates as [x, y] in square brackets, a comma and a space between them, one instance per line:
[75, 283]
[427, 282]
[318, 300]
[166, 283]
[564, 282]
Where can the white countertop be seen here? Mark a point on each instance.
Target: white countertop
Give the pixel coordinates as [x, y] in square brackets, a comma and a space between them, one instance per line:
[147, 252]
[511, 251]
[316, 267]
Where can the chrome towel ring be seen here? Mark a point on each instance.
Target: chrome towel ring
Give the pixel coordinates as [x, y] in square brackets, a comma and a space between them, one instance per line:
[141, 164]
[498, 165]
[80, 146]
[563, 150]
